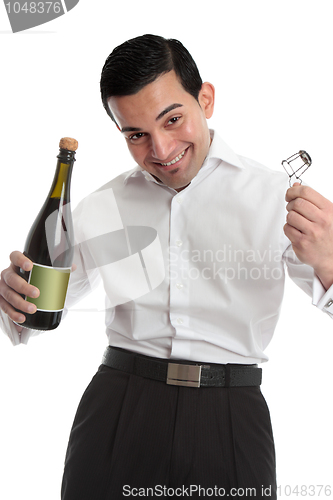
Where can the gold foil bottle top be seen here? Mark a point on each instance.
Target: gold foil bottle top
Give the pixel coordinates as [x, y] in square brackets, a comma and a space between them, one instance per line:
[68, 143]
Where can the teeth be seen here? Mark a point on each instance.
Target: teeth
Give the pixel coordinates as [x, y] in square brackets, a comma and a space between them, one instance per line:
[172, 162]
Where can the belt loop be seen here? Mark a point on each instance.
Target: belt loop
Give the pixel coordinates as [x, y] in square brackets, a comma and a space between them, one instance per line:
[227, 375]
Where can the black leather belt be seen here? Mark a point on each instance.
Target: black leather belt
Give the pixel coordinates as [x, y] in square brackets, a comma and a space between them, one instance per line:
[184, 373]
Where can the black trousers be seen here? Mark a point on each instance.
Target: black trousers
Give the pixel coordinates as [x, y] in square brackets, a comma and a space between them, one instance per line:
[139, 437]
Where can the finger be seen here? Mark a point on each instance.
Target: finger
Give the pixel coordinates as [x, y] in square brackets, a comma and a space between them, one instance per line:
[11, 312]
[306, 192]
[298, 222]
[14, 300]
[292, 234]
[18, 259]
[18, 284]
[304, 208]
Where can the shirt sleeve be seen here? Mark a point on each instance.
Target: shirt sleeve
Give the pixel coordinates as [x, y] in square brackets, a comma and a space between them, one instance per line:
[303, 275]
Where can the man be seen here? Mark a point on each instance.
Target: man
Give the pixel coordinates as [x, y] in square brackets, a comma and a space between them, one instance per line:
[176, 406]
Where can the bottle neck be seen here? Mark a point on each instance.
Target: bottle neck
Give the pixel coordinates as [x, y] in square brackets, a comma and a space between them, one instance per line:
[62, 179]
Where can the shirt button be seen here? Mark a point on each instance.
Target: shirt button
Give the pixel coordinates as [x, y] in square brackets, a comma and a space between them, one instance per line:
[179, 243]
[180, 321]
[180, 200]
[179, 286]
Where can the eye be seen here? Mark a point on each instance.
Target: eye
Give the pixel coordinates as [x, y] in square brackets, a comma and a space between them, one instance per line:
[136, 137]
[173, 120]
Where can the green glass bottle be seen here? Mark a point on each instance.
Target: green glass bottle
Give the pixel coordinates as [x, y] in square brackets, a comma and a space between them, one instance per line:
[50, 246]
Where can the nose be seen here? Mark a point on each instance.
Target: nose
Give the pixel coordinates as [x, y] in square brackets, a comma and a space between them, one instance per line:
[162, 146]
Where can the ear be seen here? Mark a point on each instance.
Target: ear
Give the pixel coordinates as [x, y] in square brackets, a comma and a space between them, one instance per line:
[207, 98]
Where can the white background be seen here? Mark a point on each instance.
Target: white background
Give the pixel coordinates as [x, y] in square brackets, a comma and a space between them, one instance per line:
[271, 64]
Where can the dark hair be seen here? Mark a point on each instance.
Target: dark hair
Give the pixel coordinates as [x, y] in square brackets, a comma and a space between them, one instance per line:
[138, 62]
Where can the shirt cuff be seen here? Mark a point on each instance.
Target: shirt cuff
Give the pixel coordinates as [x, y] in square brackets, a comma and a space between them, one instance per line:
[16, 338]
[321, 298]
[9, 329]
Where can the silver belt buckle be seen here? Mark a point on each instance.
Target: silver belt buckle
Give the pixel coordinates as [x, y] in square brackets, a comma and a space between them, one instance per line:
[185, 375]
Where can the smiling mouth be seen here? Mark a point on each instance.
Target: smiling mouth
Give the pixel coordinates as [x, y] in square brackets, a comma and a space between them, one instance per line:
[175, 160]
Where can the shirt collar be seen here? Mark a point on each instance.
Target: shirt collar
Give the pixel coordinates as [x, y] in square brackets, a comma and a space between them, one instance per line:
[218, 149]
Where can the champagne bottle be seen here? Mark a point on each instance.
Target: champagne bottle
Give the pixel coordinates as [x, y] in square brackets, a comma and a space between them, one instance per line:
[49, 245]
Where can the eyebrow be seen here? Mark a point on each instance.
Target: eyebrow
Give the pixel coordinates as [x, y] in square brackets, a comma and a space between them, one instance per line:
[169, 108]
[130, 129]
[164, 112]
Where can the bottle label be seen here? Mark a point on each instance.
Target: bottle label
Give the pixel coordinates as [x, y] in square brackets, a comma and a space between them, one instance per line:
[52, 283]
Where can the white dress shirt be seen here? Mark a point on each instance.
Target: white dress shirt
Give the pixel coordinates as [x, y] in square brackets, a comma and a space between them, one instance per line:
[195, 275]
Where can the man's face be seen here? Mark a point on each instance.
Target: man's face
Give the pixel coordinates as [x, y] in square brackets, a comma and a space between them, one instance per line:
[166, 128]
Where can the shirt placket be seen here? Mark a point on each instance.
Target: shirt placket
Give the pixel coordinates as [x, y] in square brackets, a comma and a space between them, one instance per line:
[178, 276]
